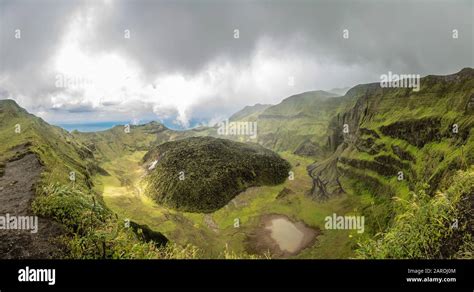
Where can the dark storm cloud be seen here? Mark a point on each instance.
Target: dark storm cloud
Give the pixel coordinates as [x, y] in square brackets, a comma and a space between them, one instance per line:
[186, 35]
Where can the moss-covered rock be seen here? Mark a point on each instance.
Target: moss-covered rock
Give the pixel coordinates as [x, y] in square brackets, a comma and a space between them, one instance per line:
[202, 174]
[146, 234]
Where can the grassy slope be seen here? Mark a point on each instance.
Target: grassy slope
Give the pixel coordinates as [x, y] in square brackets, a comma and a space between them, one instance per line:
[249, 113]
[427, 227]
[299, 118]
[115, 142]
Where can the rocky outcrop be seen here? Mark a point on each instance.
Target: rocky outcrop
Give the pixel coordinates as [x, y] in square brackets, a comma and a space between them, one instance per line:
[325, 175]
[417, 132]
[384, 169]
[285, 192]
[402, 154]
[308, 148]
[369, 145]
[375, 185]
[146, 234]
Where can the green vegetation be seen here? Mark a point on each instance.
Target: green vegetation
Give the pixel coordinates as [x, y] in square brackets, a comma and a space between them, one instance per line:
[93, 230]
[202, 174]
[135, 175]
[429, 227]
[69, 206]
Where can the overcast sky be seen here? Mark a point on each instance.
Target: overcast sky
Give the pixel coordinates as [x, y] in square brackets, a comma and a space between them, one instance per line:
[182, 61]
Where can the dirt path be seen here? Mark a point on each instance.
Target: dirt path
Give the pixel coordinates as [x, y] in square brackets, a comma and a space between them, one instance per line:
[16, 195]
[211, 223]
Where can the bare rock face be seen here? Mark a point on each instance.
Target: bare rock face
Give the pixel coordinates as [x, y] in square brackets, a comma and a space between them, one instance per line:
[470, 104]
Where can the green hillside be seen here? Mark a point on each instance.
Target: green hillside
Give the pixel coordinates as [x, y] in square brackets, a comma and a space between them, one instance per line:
[119, 140]
[57, 149]
[299, 123]
[249, 113]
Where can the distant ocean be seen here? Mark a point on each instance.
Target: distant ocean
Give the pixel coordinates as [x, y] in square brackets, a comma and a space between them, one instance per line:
[101, 126]
[90, 127]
